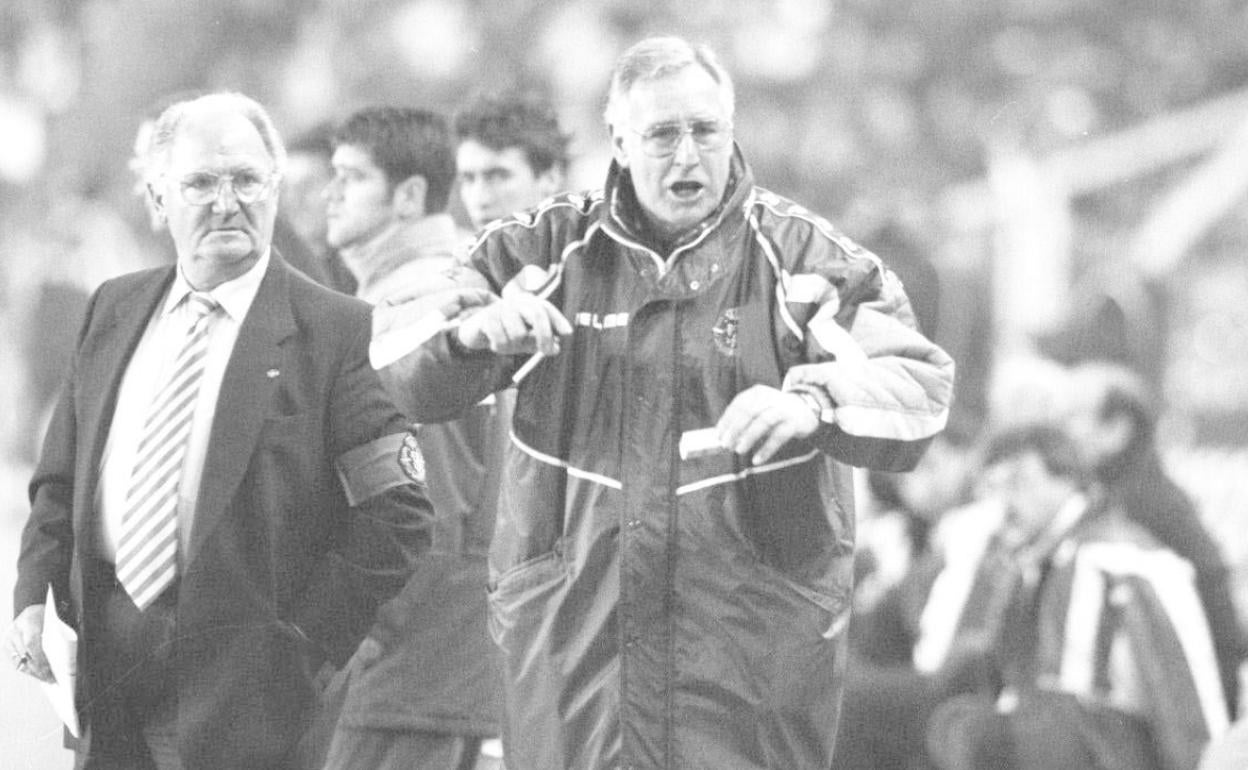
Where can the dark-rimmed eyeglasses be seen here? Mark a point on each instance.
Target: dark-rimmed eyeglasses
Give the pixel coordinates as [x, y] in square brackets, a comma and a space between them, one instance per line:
[663, 139]
[248, 187]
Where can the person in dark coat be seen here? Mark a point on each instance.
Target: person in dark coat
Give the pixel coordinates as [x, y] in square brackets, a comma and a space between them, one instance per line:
[215, 555]
[697, 360]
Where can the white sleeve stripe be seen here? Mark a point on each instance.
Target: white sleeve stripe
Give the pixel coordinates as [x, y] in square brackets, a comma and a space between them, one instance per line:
[753, 470]
[781, 275]
[810, 288]
[836, 340]
[875, 422]
[824, 227]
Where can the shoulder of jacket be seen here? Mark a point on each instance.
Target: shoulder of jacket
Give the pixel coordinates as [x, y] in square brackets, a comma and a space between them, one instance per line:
[558, 209]
[126, 282]
[786, 221]
[317, 301]
[564, 216]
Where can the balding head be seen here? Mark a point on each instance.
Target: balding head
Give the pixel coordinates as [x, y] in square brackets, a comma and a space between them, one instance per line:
[199, 109]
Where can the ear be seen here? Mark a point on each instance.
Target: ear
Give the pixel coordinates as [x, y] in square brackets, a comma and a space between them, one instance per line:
[156, 201]
[617, 147]
[409, 197]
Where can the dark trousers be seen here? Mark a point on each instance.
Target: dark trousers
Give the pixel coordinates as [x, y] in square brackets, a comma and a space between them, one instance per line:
[132, 715]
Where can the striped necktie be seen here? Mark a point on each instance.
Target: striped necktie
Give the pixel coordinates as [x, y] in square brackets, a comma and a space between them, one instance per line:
[147, 552]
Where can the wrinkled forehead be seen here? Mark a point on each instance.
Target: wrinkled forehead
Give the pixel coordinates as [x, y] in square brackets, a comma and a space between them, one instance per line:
[218, 142]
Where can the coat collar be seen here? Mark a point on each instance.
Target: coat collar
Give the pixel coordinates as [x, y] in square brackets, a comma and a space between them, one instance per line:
[622, 218]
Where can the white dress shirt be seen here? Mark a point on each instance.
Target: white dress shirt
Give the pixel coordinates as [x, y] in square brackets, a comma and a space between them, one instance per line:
[147, 371]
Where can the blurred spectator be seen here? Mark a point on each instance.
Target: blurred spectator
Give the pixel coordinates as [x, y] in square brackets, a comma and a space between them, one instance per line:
[1113, 418]
[1094, 629]
[308, 171]
[511, 154]
[424, 689]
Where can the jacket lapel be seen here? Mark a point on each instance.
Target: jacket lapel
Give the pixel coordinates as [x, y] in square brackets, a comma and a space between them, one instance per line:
[251, 377]
[114, 340]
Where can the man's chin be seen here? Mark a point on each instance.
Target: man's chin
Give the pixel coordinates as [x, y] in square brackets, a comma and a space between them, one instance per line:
[226, 254]
[686, 216]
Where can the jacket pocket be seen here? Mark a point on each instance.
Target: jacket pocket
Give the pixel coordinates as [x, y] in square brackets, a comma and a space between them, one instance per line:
[522, 594]
[827, 613]
[528, 573]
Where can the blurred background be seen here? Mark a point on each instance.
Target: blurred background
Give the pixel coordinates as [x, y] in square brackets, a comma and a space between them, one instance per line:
[1053, 179]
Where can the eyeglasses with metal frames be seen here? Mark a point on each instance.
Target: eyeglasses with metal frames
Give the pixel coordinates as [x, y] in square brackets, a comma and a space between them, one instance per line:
[663, 139]
[249, 187]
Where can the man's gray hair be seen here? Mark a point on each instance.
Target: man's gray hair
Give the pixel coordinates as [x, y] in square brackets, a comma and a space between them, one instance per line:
[174, 116]
[657, 57]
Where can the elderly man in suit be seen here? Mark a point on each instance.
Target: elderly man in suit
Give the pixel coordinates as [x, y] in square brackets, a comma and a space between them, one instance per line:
[226, 493]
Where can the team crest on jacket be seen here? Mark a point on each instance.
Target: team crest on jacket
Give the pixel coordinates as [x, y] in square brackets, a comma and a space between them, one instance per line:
[724, 332]
[411, 460]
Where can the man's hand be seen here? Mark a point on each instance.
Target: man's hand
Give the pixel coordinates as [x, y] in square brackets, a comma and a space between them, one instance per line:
[762, 419]
[517, 323]
[22, 641]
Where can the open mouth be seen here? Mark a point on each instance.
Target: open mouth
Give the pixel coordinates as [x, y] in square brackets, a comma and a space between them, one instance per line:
[686, 188]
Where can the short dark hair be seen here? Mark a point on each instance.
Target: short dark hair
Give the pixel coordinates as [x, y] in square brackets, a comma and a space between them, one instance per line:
[527, 121]
[405, 142]
[1058, 452]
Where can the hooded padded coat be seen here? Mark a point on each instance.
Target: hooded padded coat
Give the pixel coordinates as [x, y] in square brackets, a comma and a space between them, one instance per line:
[660, 610]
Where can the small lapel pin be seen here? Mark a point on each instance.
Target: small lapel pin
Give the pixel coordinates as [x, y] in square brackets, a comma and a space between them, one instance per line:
[272, 373]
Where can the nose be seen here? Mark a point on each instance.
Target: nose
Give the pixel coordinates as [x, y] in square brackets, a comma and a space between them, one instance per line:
[225, 203]
[330, 190]
[686, 150]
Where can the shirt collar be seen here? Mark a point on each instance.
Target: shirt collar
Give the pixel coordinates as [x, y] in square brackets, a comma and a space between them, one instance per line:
[234, 296]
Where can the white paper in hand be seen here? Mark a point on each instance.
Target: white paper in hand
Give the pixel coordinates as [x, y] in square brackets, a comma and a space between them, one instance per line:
[60, 645]
[700, 443]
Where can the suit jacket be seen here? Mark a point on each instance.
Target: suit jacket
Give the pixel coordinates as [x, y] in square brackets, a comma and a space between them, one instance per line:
[281, 573]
